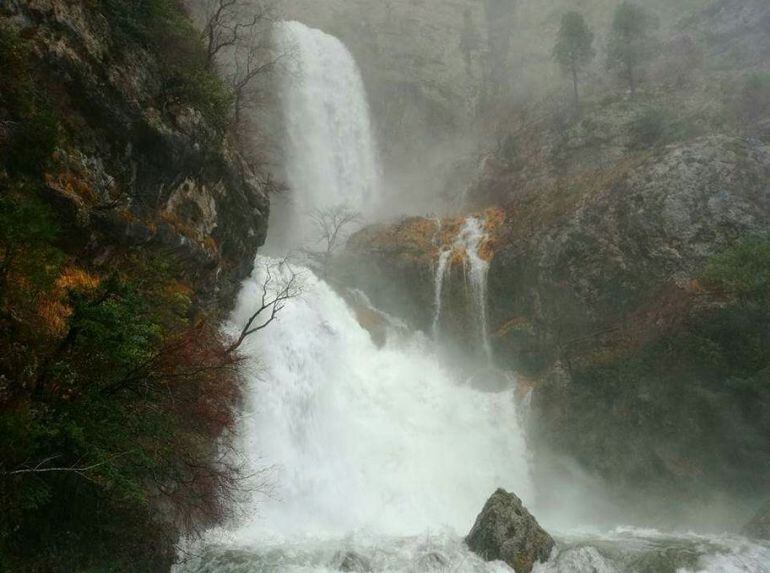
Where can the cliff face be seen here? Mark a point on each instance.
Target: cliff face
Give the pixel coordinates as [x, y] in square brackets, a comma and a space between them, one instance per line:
[127, 221]
[139, 163]
[606, 295]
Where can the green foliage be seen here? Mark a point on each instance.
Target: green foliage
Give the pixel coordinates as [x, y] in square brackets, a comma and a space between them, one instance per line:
[164, 26]
[630, 42]
[649, 127]
[15, 78]
[743, 272]
[34, 133]
[574, 45]
[509, 150]
[203, 91]
[654, 126]
[32, 143]
[707, 381]
[754, 99]
[28, 230]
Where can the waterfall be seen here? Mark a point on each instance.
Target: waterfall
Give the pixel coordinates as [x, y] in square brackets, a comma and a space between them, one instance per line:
[472, 237]
[365, 438]
[379, 449]
[441, 270]
[330, 151]
[468, 244]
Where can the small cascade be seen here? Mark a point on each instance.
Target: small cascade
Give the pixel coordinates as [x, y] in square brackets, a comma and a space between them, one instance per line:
[468, 244]
[472, 237]
[441, 271]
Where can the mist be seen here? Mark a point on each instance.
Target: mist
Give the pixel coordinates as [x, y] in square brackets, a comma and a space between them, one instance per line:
[385, 285]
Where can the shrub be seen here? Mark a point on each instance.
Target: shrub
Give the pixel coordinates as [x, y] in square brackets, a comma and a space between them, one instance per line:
[649, 128]
[754, 101]
[164, 26]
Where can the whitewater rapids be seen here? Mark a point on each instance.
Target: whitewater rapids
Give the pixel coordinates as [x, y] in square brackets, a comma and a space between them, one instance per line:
[382, 452]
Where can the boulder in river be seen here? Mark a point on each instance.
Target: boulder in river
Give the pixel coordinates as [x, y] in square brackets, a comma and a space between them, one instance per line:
[353, 562]
[506, 531]
[759, 526]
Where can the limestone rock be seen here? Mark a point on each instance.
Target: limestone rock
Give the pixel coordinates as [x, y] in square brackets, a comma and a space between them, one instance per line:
[506, 531]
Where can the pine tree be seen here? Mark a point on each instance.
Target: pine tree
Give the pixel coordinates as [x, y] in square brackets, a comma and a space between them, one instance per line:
[574, 48]
[630, 44]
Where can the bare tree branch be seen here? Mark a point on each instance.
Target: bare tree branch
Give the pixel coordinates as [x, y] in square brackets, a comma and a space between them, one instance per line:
[272, 302]
[331, 225]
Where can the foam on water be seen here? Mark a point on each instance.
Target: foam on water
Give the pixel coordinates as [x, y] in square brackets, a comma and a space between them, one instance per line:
[366, 438]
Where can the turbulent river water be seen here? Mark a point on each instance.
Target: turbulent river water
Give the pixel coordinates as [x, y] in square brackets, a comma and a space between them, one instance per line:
[379, 458]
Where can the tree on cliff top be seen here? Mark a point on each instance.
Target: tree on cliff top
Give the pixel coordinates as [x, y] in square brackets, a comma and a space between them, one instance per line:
[630, 44]
[574, 48]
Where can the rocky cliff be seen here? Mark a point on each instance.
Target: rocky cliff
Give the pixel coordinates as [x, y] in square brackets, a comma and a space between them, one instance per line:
[626, 246]
[127, 221]
[142, 158]
[616, 298]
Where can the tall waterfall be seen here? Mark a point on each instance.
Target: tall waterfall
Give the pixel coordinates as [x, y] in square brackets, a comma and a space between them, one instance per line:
[381, 450]
[330, 152]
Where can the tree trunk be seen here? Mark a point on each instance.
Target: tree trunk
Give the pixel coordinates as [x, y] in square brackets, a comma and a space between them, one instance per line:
[575, 89]
[632, 80]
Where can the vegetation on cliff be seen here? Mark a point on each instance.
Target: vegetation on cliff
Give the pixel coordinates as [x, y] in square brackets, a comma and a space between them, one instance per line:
[116, 388]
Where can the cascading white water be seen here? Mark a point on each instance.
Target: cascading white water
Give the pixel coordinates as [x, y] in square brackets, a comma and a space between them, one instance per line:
[362, 438]
[442, 266]
[380, 450]
[471, 237]
[468, 244]
[329, 145]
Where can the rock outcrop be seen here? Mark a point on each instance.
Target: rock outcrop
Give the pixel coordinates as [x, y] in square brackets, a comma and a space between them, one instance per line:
[141, 165]
[506, 531]
[601, 293]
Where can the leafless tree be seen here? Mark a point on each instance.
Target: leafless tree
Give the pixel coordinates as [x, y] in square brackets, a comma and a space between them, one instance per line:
[227, 22]
[236, 35]
[279, 285]
[331, 225]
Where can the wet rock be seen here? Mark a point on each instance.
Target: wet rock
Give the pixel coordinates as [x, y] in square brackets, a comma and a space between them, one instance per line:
[432, 562]
[350, 561]
[506, 531]
[759, 526]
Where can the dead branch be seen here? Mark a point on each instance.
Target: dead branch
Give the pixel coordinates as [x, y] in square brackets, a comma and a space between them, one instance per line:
[272, 303]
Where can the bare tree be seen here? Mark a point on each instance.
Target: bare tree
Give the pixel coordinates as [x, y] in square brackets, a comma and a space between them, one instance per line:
[280, 284]
[227, 22]
[236, 35]
[254, 58]
[331, 225]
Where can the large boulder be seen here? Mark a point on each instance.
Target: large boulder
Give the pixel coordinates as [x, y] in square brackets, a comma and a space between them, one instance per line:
[759, 526]
[506, 531]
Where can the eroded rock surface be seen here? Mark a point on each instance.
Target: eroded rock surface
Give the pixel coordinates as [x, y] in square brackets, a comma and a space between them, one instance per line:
[506, 531]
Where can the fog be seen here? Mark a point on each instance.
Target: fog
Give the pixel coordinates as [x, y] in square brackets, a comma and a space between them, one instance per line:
[475, 118]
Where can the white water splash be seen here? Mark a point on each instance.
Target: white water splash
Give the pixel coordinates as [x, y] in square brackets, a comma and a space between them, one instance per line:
[442, 267]
[468, 243]
[472, 237]
[330, 152]
[382, 440]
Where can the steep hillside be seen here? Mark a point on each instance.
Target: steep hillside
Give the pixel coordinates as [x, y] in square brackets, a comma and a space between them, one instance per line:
[626, 282]
[127, 220]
